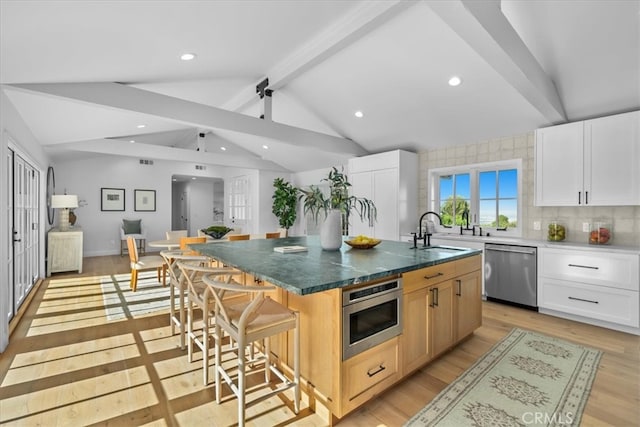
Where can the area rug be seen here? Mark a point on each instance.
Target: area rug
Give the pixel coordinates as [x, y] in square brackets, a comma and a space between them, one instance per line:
[526, 379]
[120, 302]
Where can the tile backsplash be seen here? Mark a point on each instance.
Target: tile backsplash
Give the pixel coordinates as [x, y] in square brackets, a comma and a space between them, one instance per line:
[625, 220]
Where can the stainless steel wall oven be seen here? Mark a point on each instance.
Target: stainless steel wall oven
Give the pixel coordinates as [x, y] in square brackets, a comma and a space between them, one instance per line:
[371, 315]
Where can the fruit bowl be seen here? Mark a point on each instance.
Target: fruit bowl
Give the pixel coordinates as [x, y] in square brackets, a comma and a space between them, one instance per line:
[363, 244]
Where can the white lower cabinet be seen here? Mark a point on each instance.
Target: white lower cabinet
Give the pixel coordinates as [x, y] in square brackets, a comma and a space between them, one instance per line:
[600, 287]
[64, 250]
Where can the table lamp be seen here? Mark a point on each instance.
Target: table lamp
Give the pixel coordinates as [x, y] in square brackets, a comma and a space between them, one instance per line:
[64, 202]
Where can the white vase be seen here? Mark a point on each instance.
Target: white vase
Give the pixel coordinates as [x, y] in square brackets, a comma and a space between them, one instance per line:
[331, 231]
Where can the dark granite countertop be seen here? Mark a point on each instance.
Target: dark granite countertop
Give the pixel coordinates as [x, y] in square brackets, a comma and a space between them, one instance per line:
[317, 270]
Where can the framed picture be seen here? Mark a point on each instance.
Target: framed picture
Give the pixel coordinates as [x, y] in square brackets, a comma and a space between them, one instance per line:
[144, 200]
[112, 199]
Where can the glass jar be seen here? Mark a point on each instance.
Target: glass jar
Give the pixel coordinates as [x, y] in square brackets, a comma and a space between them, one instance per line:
[601, 233]
[556, 231]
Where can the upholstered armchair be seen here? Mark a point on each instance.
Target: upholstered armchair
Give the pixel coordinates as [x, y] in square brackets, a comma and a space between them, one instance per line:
[132, 228]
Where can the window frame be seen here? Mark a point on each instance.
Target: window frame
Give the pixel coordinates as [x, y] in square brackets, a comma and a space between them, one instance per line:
[474, 169]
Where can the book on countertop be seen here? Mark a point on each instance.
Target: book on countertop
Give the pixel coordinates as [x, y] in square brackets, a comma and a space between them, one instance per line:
[290, 249]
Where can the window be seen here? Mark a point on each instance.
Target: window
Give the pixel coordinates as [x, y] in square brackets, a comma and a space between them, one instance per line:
[488, 193]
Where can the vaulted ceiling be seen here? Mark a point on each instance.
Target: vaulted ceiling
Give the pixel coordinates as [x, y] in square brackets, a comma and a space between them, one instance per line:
[85, 75]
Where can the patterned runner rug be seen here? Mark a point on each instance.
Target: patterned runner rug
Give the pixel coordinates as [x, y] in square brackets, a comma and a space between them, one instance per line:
[526, 379]
[120, 302]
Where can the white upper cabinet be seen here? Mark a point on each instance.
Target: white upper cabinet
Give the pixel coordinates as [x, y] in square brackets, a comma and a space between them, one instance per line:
[390, 180]
[612, 160]
[589, 163]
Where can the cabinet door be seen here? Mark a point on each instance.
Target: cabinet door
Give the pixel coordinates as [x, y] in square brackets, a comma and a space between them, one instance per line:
[415, 347]
[381, 186]
[612, 160]
[361, 186]
[559, 165]
[468, 304]
[440, 317]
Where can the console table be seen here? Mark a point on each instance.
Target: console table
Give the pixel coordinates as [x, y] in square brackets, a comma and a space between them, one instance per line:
[64, 250]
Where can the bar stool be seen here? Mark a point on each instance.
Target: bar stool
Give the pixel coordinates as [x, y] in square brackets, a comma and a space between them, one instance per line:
[274, 235]
[245, 323]
[177, 284]
[192, 273]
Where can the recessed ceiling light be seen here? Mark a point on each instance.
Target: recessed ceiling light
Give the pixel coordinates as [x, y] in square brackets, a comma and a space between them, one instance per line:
[266, 147]
[455, 81]
[132, 141]
[141, 126]
[359, 114]
[193, 177]
[223, 148]
[188, 56]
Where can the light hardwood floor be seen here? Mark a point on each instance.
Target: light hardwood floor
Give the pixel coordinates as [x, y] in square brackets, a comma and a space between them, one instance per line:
[67, 365]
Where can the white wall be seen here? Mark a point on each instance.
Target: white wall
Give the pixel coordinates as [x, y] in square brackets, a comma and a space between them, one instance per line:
[101, 229]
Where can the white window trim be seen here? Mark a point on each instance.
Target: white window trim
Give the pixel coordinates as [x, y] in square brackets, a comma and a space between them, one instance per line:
[474, 169]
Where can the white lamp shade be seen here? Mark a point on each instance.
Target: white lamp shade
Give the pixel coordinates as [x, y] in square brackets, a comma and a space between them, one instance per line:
[61, 201]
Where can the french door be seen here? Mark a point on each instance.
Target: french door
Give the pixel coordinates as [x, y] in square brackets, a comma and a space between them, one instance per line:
[239, 204]
[23, 214]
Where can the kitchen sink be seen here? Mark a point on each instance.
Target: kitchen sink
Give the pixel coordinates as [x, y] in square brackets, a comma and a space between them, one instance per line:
[443, 249]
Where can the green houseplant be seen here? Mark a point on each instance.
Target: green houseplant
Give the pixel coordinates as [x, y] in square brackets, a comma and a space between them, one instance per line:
[339, 200]
[285, 203]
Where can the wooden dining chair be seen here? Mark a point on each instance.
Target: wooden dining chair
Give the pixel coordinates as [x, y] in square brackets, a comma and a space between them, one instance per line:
[274, 235]
[233, 237]
[148, 262]
[176, 234]
[186, 241]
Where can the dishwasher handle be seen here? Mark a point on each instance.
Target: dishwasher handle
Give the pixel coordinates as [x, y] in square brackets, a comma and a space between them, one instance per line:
[511, 250]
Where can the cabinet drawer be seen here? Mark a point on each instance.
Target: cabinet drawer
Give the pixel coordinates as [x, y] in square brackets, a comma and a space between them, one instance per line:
[597, 302]
[467, 265]
[362, 373]
[416, 279]
[599, 268]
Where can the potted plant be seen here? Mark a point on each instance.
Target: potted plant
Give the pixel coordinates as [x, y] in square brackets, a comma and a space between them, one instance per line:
[285, 203]
[336, 206]
[217, 231]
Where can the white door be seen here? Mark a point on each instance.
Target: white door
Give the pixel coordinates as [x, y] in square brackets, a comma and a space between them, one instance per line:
[9, 214]
[239, 204]
[25, 229]
[184, 211]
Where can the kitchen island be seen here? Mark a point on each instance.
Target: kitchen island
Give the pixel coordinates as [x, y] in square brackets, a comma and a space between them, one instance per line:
[438, 304]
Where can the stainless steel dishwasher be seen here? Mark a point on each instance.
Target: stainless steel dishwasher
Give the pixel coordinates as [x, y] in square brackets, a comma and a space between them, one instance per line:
[510, 274]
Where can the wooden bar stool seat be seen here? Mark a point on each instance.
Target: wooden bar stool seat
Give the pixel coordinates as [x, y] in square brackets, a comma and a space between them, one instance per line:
[197, 297]
[246, 323]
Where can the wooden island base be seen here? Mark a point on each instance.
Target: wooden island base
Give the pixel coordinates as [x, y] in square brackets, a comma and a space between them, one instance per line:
[441, 306]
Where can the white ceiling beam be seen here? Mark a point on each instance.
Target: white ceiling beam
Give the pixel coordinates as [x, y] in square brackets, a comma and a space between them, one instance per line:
[362, 20]
[486, 29]
[120, 96]
[158, 152]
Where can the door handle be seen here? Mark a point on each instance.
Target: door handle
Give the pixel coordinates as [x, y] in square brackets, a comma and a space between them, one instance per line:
[436, 295]
[459, 282]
